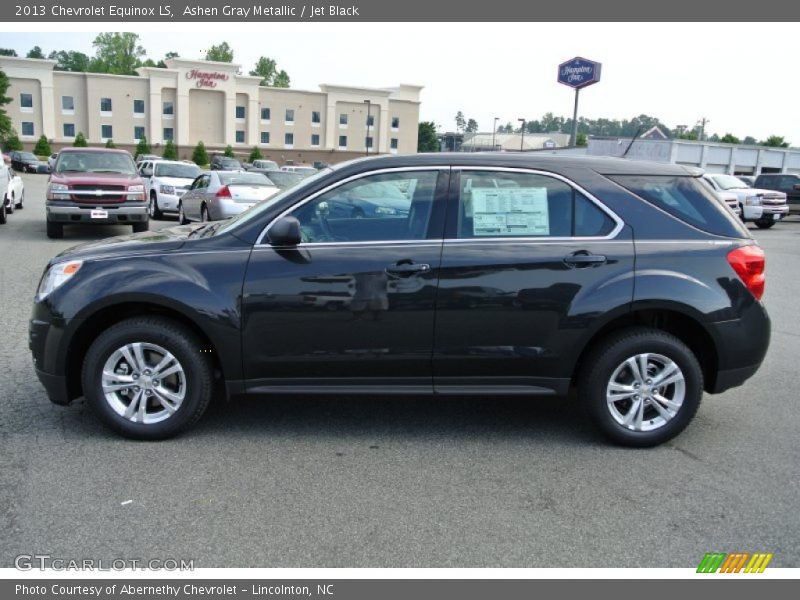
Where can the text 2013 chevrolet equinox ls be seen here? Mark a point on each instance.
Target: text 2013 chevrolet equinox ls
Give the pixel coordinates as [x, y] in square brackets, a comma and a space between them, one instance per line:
[470, 274]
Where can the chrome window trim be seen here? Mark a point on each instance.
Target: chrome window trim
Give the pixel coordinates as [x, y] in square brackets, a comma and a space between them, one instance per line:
[619, 223]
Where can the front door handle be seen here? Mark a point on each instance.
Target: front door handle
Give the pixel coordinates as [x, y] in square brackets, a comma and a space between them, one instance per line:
[583, 259]
[407, 268]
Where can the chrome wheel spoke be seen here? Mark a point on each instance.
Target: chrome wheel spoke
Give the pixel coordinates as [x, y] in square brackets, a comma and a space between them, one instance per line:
[632, 417]
[162, 397]
[669, 374]
[168, 358]
[133, 407]
[633, 365]
[166, 373]
[665, 414]
[662, 401]
[619, 391]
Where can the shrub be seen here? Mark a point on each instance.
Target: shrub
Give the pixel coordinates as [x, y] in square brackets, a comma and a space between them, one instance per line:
[170, 151]
[80, 141]
[42, 147]
[200, 156]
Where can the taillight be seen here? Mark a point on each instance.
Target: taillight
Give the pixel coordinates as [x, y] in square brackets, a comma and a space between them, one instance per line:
[223, 192]
[748, 262]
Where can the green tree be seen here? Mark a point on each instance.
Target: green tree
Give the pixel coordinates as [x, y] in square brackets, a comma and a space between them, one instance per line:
[266, 69]
[110, 143]
[461, 122]
[42, 147]
[729, 138]
[80, 140]
[775, 141]
[117, 53]
[142, 147]
[220, 53]
[35, 52]
[162, 64]
[5, 121]
[8, 52]
[472, 126]
[749, 140]
[427, 140]
[12, 143]
[69, 60]
[228, 151]
[255, 154]
[581, 140]
[170, 151]
[200, 156]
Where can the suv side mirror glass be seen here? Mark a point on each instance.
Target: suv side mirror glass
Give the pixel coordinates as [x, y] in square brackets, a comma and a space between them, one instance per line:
[147, 172]
[285, 232]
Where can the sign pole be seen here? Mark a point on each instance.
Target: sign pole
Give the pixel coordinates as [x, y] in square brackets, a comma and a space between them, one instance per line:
[573, 139]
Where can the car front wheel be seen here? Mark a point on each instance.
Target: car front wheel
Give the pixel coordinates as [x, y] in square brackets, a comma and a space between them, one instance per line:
[154, 210]
[21, 202]
[147, 378]
[765, 223]
[55, 231]
[182, 220]
[641, 386]
[2, 213]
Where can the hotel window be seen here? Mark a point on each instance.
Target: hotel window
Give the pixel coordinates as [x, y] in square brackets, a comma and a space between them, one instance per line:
[27, 128]
[288, 139]
[138, 108]
[169, 133]
[138, 133]
[393, 144]
[26, 102]
[315, 139]
[343, 119]
[106, 132]
[265, 114]
[315, 117]
[369, 142]
[169, 109]
[240, 112]
[105, 105]
[67, 105]
[395, 122]
[265, 137]
[69, 130]
[290, 116]
[240, 136]
[342, 142]
[371, 121]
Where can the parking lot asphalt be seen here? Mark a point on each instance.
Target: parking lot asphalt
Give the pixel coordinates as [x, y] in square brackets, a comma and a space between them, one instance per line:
[394, 482]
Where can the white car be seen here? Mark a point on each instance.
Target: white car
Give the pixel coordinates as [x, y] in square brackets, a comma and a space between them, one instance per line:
[51, 161]
[305, 171]
[165, 182]
[763, 207]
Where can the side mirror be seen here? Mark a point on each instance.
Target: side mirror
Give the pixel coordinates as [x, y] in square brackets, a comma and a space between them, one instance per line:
[285, 232]
[147, 172]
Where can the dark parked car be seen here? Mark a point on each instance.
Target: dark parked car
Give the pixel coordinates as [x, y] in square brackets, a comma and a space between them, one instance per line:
[787, 183]
[509, 274]
[27, 162]
[220, 162]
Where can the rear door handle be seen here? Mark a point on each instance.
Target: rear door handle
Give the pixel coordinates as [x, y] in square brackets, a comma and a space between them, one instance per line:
[584, 259]
[405, 269]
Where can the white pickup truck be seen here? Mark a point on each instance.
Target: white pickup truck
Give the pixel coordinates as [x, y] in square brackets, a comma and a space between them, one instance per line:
[763, 207]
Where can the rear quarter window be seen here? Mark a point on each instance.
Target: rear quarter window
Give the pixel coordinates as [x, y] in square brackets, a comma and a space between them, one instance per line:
[687, 199]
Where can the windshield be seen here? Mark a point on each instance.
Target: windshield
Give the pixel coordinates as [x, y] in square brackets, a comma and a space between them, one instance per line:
[265, 164]
[283, 178]
[729, 182]
[176, 170]
[27, 156]
[255, 211]
[243, 179]
[229, 162]
[96, 162]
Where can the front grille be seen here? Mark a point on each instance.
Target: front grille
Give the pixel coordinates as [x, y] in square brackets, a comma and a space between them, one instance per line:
[88, 193]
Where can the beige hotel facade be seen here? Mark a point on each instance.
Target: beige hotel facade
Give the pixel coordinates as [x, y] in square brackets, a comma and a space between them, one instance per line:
[192, 101]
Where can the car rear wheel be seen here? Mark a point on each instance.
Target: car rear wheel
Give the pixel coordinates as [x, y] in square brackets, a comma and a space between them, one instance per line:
[641, 386]
[153, 209]
[765, 223]
[147, 378]
[55, 231]
[204, 214]
[20, 204]
[141, 226]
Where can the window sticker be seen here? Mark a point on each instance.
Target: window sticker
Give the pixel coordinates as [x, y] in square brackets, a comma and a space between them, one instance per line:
[500, 212]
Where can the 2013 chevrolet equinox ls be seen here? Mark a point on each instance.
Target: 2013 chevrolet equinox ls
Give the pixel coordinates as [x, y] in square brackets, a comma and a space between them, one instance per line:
[499, 274]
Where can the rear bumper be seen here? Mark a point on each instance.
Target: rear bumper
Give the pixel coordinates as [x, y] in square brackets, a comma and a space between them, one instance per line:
[72, 213]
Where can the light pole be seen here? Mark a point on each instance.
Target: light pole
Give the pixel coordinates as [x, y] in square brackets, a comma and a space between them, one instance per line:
[494, 131]
[366, 137]
[522, 130]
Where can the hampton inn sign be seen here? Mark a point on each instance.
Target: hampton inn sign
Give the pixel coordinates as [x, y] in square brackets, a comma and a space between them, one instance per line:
[206, 79]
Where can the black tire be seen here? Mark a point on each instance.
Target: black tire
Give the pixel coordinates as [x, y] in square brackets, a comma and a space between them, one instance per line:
[55, 231]
[764, 223]
[609, 354]
[11, 204]
[141, 226]
[3, 217]
[20, 205]
[204, 214]
[153, 209]
[171, 336]
[182, 220]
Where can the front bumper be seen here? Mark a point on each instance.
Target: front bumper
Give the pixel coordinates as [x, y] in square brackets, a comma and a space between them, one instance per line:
[770, 211]
[169, 202]
[43, 342]
[55, 386]
[69, 212]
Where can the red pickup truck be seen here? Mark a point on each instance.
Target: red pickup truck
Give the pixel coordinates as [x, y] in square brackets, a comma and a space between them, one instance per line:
[95, 185]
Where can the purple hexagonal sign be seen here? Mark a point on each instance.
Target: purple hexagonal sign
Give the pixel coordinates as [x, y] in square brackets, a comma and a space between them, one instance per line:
[579, 72]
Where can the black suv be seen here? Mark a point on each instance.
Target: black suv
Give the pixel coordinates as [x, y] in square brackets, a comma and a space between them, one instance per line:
[787, 183]
[471, 274]
[220, 162]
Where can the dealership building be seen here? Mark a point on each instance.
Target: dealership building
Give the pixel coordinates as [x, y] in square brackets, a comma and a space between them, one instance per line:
[193, 100]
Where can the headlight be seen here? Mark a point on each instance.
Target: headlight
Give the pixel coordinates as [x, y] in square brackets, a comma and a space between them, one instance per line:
[135, 190]
[167, 189]
[57, 191]
[385, 210]
[753, 201]
[56, 276]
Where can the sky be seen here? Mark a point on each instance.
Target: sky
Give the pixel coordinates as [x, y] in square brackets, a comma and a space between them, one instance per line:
[738, 76]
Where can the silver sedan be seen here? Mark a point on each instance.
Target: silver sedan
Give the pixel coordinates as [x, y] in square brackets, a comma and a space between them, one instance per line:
[217, 195]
